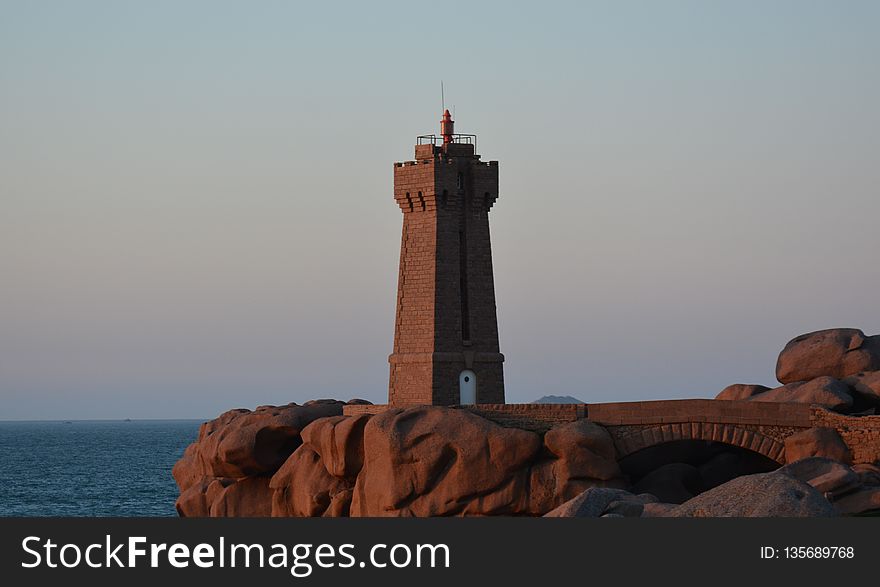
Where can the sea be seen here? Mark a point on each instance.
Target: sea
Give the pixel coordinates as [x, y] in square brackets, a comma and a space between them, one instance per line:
[91, 468]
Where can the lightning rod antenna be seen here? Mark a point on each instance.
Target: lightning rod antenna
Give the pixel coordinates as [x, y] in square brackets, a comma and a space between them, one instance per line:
[442, 98]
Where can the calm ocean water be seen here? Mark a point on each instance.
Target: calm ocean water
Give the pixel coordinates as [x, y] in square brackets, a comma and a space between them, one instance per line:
[91, 468]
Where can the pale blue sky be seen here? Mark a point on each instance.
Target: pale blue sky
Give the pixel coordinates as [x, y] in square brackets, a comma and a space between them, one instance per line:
[196, 206]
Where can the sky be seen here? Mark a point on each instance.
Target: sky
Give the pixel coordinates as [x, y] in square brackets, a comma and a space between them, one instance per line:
[196, 208]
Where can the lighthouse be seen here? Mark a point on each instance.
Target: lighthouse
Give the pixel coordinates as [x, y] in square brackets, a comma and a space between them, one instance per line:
[446, 349]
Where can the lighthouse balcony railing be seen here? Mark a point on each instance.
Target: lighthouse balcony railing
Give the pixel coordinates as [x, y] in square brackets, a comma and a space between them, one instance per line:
[438, 139]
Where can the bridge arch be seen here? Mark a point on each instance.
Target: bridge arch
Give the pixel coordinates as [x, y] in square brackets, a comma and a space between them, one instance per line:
[630, 441]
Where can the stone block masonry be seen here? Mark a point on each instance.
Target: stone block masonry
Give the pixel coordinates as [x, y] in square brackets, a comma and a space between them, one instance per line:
[861, 435]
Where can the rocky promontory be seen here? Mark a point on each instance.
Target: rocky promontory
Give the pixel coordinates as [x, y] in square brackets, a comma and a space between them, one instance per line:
[310, 460]
[314, 460]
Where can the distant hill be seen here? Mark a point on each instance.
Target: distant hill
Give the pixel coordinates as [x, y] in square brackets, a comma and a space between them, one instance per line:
[558, 399]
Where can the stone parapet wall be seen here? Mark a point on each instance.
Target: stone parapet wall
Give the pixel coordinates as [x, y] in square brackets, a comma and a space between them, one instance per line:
[355, 409]
[860, 433]
[700, 410]
[534, 417]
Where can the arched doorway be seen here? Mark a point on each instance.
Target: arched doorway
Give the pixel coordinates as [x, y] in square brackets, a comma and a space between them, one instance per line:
[467, 387]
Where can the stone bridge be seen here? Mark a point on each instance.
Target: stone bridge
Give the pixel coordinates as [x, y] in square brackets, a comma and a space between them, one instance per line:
[757, 426]
[761, 427]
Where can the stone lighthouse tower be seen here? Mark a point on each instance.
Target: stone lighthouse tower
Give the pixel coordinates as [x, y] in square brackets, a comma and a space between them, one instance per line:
[446, 331]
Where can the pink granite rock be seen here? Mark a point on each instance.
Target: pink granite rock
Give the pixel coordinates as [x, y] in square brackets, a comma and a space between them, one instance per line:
[817, 442]
[837, 352]
[822, 391]
[741, 391]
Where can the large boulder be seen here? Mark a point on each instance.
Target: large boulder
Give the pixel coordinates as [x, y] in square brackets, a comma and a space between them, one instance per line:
[226, 471]
[823, 391]
[244, 498]
[838, 352]
[631, 506]
[828, 476]
[762, 495]
[249, 497]
[865, 500]
[319, 477]
[189, 470]
[741, 391]
[591, 503]
[434, 461]
[577, 456]
[303, 487]
[868, 473]
[817, 442]
[340, 443]
[192, 502]
[584, 450]
[866, 385]
[243, 443]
